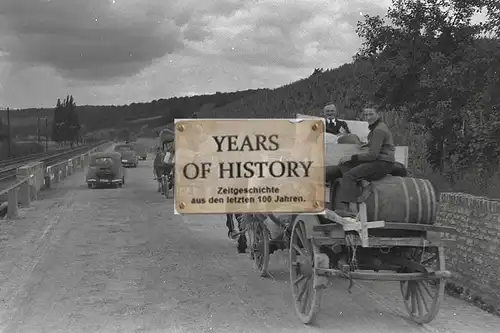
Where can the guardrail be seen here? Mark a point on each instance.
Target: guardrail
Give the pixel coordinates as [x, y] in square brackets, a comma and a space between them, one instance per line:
[9, 171]
[35, 176]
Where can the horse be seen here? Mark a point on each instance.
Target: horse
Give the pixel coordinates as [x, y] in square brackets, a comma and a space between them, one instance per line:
[240, 236]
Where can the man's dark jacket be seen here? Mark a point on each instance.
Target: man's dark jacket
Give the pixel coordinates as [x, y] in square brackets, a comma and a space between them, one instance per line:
[333, 126]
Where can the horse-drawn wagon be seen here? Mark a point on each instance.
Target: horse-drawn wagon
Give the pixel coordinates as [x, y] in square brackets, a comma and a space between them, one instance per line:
[390, 235]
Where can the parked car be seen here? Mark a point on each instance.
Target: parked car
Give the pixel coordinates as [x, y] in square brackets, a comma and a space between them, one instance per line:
[129, 156]
[105, 169]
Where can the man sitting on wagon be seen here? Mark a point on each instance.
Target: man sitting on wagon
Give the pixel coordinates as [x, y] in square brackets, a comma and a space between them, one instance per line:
[371, 165]
[334, 125]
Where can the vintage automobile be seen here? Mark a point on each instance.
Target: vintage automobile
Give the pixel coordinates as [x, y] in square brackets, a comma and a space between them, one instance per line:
[141, 150]
[129, 155]
[105, 169]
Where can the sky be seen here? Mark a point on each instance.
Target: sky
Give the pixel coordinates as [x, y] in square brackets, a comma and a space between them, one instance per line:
[122, 51]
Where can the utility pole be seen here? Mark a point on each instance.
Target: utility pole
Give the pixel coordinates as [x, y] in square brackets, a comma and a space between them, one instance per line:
[38, 130]
[46, 134]
[9, 142]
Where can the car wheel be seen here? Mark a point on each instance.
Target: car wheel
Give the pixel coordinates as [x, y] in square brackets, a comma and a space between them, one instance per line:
[123, 181]
[89, 185]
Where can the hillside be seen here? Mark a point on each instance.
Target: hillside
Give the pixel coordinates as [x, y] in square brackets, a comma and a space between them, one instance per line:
[134, 116]
[349, 86]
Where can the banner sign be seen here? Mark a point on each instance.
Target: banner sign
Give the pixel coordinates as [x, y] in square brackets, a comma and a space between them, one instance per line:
[249, 166]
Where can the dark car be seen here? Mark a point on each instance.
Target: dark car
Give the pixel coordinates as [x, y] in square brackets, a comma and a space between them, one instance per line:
[129, 155]
[105, 169]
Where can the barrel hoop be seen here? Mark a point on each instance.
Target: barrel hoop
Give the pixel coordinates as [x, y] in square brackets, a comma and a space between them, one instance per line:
[435, 200]
[407, 199]
[375, 200]
[419, 198]
[432, 198]
[429, 201]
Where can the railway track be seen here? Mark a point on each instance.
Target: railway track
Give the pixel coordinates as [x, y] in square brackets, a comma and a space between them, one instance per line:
[31, 157]
[8, 168]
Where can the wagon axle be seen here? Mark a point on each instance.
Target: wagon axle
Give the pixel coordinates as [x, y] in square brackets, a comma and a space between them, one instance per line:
[382, 276]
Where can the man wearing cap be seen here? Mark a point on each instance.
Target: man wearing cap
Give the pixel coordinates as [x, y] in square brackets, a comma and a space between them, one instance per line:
[333, 124]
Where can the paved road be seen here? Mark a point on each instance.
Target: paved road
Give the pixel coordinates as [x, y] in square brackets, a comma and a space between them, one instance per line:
[117, 260]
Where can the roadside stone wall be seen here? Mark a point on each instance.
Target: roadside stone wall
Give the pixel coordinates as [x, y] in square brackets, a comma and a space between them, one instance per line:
[476, 255]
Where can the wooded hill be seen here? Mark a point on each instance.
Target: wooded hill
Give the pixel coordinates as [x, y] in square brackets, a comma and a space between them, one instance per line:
[133, 116]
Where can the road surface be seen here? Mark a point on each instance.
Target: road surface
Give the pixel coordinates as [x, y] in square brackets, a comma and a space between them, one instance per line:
[118, 260]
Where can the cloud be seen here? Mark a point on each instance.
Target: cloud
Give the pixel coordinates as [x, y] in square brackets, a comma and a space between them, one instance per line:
[139, 50]
[292, 34]
[89, 40]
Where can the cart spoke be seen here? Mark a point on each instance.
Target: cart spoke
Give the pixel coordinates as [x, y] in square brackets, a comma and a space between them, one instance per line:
[302, 291]
[303, 238]
[426, 288]
[421, 294]
[299, 279]
[299, 250]
[407, 291]
[413, 299]
[418, 299]
[308, 296]
[428, 260]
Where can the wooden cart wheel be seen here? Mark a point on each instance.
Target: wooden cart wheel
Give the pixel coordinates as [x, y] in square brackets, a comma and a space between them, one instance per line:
[306, 298]
[259, 247]
[423, 298]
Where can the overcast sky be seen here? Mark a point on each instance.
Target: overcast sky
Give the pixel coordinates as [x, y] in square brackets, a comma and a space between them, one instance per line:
[123, 51]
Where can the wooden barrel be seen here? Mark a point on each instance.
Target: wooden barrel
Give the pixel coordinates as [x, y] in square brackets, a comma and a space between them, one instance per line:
[398, 199]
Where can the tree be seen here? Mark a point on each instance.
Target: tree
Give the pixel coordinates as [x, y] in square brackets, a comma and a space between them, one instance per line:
[66, 125]
[58, 122]
[427, 65]
[72, 122]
